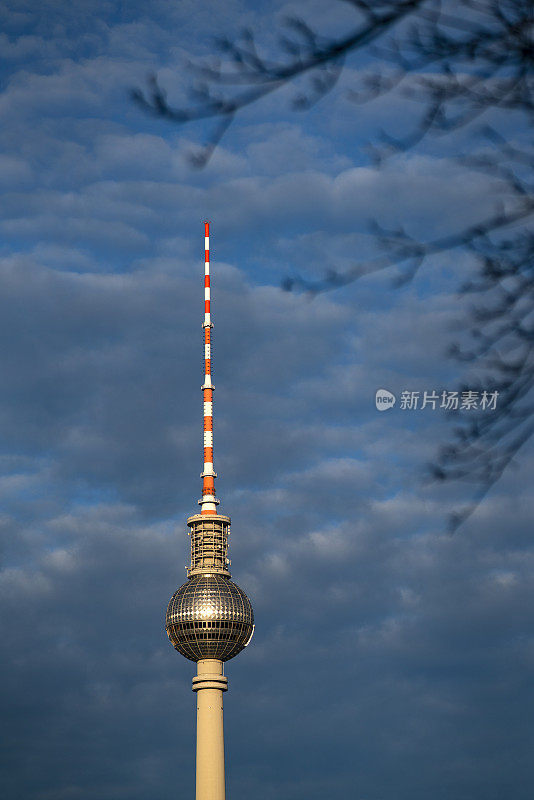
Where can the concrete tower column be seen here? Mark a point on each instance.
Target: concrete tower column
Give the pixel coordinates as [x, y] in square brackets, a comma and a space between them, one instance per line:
[209, 685]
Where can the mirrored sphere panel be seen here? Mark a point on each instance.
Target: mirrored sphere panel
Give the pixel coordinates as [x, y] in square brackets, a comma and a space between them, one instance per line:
[209, 617]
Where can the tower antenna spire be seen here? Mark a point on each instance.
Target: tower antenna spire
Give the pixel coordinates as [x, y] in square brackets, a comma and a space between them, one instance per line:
[209, 502]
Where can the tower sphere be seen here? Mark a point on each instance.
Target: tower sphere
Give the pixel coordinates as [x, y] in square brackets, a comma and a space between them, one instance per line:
[209, 617]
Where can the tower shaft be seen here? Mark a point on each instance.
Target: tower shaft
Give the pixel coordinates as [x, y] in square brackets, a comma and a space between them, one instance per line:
[209, 685]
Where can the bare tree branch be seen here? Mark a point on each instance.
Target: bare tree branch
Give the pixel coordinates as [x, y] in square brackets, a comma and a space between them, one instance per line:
[461, 62]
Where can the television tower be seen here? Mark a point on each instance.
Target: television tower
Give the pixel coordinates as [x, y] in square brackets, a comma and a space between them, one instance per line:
[209, 619]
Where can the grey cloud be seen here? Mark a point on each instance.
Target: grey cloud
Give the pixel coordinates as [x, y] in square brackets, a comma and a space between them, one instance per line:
[408, 617]
[389, 660]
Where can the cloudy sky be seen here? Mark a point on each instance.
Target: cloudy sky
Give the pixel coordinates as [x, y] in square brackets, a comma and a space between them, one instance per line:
[391, 660]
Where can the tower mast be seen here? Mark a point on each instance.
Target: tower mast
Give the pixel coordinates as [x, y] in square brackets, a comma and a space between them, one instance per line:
[209, 619]
[209, 502]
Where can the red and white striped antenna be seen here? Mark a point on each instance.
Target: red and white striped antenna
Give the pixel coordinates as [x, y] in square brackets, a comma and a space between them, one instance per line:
[209, 502]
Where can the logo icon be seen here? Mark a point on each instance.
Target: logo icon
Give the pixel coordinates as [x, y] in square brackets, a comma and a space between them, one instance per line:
[384, 399]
